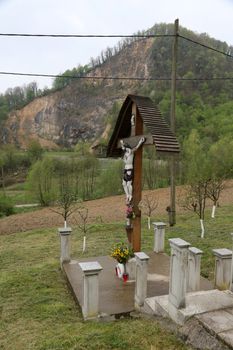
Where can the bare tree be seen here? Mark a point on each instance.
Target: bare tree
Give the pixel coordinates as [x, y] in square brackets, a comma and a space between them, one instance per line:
[83, 224]
[148, 205]
[214, 189]
[66, 205]
[195, 200]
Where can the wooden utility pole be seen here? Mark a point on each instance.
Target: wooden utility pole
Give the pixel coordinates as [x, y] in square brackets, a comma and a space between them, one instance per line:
[172, 209]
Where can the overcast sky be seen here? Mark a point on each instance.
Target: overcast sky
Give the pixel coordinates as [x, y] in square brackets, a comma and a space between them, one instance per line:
[54, 56]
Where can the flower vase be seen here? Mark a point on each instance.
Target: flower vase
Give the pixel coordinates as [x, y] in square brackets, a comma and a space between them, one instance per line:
[120, 269]
[125, 275]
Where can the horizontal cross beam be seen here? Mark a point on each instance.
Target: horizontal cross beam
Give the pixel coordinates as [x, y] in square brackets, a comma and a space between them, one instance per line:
[133, 140]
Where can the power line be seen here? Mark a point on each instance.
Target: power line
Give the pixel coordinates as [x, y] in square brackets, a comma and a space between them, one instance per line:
[113, 78]
[86, 35]
[205, 46]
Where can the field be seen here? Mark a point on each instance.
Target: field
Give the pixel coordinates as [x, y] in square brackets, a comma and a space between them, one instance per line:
[38, 311]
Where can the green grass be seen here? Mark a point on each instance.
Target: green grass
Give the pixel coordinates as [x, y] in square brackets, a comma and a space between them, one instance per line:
[38, 311]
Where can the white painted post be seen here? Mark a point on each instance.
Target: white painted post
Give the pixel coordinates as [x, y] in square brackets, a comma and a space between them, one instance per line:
[223, 259]
[131, 268]
[90, 302]
[194, 269]
[178, 272]
[65, 233]
[141, 279]
[159, 235]
[231, 286]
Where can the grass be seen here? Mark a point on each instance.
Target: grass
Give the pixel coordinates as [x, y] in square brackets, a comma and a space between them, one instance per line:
[37, 310]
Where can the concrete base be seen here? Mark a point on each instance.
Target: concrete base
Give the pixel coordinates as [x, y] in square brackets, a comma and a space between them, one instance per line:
[196, 303]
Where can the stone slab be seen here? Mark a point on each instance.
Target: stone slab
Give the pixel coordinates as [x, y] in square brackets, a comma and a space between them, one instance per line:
[217, 321]
[117, 297]
[142, 256]
[196, 303]
[222, 253]
[180, 243]
[227, 337]
[65, 231]
[195, 251]
[159, 224]
[90, 266]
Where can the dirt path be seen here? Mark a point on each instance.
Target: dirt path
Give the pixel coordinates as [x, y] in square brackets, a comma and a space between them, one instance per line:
[108, 209]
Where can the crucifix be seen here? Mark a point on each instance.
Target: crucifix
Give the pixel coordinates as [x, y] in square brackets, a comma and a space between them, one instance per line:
[132, 177]
[128, 136]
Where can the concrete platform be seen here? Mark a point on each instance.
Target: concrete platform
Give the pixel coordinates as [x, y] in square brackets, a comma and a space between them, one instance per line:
[196, 303]
[116, 296]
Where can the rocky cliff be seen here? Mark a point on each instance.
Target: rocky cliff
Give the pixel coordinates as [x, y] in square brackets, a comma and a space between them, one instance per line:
[79, 111]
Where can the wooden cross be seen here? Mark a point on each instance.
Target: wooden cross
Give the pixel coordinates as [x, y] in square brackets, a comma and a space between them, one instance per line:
[136, 134]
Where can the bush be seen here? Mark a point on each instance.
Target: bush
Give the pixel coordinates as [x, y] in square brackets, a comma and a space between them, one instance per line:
[6, 206]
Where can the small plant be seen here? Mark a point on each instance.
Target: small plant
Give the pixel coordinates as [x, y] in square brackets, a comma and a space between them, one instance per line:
[82, 224]
[148, 205]
[122, 253]
[6, 207]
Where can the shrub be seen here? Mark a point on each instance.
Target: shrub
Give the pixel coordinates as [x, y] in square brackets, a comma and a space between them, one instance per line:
[6, 206]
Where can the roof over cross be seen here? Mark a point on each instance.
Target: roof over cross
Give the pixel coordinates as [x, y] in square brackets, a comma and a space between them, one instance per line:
[137, 112]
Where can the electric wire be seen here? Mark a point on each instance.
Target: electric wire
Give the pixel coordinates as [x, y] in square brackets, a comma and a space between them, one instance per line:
[111, 77]
[205, 46]
[91, 77]
[86, 35]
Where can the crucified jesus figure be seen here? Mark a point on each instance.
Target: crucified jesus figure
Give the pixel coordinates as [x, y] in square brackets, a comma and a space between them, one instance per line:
[128, 169]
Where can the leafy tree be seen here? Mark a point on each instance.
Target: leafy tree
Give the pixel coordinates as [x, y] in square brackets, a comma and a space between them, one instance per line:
[66, 192]
[197, 176]
[89, 169]
[40, 181]
[35, 151]
[109, 182]
[82, 148]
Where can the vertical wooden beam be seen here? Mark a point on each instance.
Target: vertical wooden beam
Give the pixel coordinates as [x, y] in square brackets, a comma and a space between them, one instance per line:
[137, 183]
[172, 211]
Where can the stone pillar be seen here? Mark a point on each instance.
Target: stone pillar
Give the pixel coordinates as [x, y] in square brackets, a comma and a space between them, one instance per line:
[194, 269]
[141, 279]
[65, 233]
[159, 235]
[90, 300]
[231, 286]
[223, 259]
[178, 272]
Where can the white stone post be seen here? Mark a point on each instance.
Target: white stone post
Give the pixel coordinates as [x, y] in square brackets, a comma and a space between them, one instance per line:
[178, 272]
[223, 259]
[90, 301]
[194, 269]
[65, 233]
[231, 286]
[141, 279]
[159, 235]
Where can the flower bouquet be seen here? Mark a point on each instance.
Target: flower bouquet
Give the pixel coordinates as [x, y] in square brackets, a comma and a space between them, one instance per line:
[122, 253]
[129, 212]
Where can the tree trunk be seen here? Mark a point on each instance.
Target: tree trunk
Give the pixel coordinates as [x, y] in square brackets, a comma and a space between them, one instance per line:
[213, 211]
[148, 222]
[202, 228]
[84, 244]
[65, 224]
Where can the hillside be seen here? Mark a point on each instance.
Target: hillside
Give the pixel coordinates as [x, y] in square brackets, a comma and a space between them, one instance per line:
[82, 110]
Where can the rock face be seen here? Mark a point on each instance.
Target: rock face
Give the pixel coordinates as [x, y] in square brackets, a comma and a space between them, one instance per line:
[79, 111]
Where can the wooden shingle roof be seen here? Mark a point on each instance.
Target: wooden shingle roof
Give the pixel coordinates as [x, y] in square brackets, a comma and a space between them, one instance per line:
[162, 137]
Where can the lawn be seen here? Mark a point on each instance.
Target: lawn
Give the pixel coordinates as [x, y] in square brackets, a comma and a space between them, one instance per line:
[38, 311]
